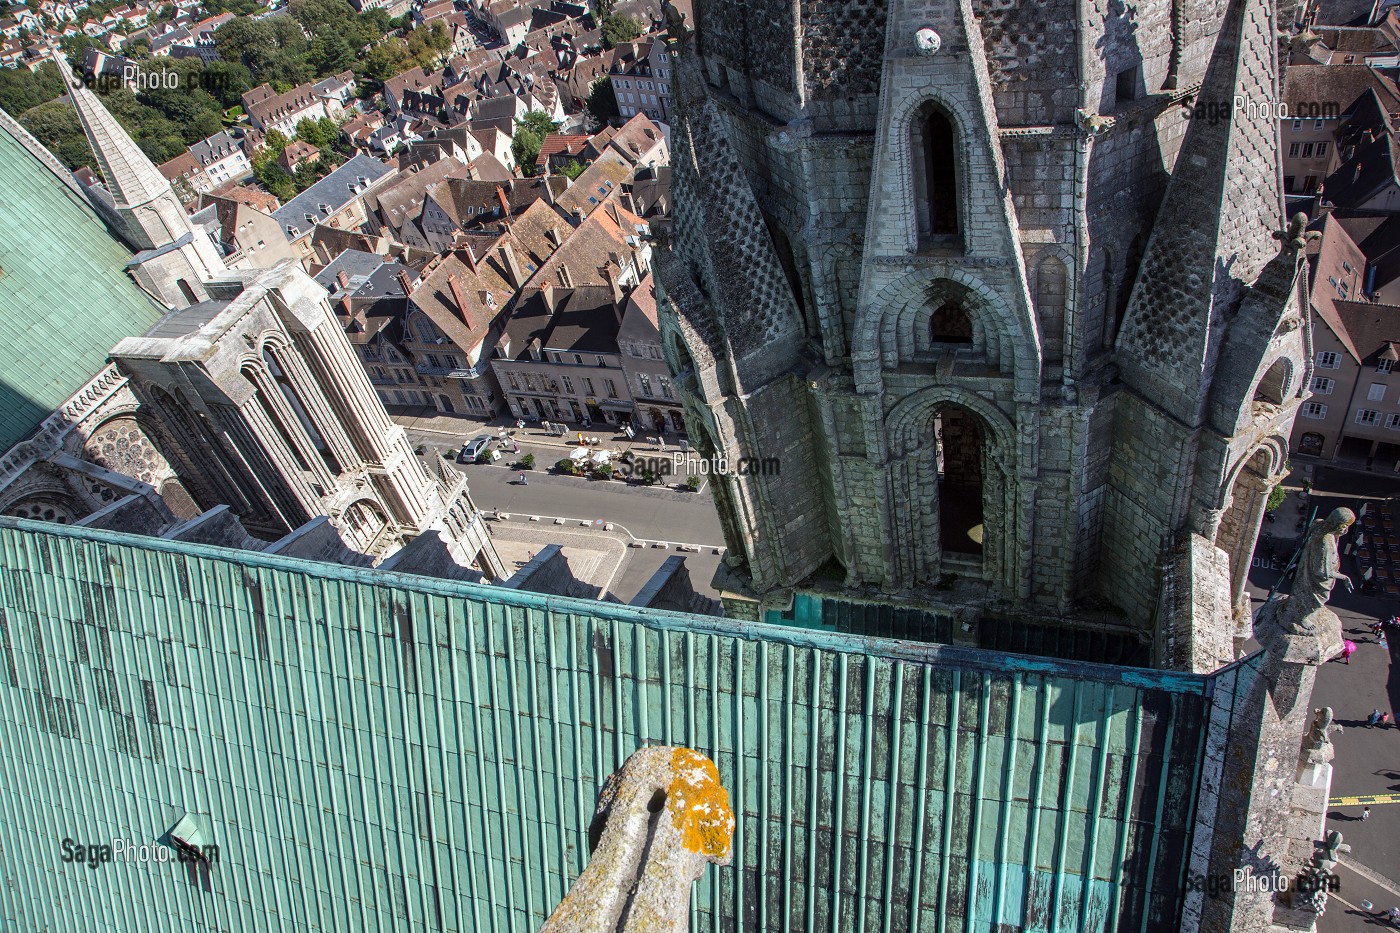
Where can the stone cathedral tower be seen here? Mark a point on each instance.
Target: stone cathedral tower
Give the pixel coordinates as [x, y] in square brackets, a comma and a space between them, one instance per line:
[1025, 338]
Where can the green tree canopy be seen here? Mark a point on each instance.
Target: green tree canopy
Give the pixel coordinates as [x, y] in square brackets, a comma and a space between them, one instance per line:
[55, 124]
[602, 100]
[619, 29]
[21, 89]
[319, 133]
[530, 131]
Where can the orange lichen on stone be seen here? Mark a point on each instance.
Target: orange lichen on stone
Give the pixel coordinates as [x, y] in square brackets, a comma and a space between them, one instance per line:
[699, 805]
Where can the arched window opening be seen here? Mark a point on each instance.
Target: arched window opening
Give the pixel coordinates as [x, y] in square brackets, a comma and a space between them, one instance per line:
[361, 525]
[935, 167]
[959, 449]
[271, 414]
[950, 323]
[289, 392]
[1277, 381]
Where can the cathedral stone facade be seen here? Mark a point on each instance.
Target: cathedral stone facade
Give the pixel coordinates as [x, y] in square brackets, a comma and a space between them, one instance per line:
[1025, 337]
[245, 394]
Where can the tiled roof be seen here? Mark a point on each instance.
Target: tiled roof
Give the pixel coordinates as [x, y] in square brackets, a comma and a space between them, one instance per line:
[66, 296]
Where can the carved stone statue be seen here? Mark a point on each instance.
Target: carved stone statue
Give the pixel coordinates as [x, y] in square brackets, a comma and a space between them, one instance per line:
[1319, 742]
[1331, 849]
[1318, 570]
[660, 820]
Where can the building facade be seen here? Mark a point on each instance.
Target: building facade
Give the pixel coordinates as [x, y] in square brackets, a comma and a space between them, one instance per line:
[904, 266]
[641, 79]
[248, 397]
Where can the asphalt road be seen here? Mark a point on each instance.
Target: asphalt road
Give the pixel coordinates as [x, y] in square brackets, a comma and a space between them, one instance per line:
[1367, 758]
[648, 513]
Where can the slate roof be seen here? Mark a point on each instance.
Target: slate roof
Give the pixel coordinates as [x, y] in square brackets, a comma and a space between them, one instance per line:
[1374, 163]
[216, 147]
[1369, 328]
[66, 297]
[335, 190]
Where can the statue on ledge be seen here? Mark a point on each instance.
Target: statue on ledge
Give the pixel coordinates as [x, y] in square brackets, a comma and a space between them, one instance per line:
[1318, 570]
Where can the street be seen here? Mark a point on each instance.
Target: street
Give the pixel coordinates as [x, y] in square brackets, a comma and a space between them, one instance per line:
[648, 514]
[1367, 758]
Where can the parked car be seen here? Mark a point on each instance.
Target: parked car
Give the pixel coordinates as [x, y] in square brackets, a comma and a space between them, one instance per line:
[476, 450]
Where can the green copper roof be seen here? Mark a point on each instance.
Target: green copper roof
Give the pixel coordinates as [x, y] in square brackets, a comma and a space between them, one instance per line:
[371, 750]
[65, 298]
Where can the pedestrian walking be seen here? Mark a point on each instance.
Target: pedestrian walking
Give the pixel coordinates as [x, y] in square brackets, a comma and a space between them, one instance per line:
[514, 446]
[1365, 813]
[523, 480]
[1374, 718]
[1348, 649]
[1385, 719]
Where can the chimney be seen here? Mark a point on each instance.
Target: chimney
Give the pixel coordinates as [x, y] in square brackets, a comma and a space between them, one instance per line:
[405, 282]
[547, 290]
[618, 299]
[505, 202]
[468, 256]
[457, 297]
[342, 279]
[517, 274]
[555, 236]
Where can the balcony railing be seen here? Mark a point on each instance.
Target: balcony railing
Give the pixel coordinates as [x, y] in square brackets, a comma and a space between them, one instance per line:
[473, 372]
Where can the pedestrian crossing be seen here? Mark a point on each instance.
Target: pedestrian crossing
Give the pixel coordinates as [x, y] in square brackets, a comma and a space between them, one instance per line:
[1364, 800]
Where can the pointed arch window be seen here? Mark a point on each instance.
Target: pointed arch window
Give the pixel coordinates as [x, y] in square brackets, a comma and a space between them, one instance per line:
[950, 323]
[935, 168]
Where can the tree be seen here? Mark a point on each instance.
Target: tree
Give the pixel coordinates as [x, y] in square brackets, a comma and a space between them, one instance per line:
[572, 169]
[619, 29]
[75, 48]
[316, 132]
[274, 142]
[56, 125]
[602, 100]
[276, 179]
[22, 89]
[248, 41]
[530, 131]
[227, 82]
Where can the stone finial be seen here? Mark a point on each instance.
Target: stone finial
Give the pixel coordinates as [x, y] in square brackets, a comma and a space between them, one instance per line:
[1296, 235]
[927, 41]
[660, 820]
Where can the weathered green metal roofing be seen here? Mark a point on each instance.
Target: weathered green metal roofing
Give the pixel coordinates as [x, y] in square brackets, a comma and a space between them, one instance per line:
[65, 298]
[378, 751]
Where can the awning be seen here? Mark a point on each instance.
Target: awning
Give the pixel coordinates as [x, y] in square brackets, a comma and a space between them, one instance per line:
[579, 453]
[601, 456]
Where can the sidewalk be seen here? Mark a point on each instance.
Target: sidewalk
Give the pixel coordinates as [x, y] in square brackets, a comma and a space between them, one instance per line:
[462, 428]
